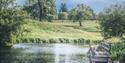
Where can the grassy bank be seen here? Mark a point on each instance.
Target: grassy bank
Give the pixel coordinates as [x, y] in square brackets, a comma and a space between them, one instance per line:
[57, 31]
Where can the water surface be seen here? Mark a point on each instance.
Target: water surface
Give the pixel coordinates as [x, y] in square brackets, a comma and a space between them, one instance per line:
[44, 53]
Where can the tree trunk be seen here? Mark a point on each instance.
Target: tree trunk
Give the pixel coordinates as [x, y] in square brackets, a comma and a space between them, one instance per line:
[80, 22]
[40, 10]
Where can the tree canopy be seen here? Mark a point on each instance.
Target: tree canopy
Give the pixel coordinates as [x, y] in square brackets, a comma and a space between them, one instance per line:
[41, 9]
[80, 13]
[113, 21]
[10, 19]
[63, 8]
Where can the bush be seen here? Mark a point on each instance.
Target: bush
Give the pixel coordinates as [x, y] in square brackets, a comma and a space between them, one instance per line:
[31, 40]
[88, 41]
[65, 40]
[75, 41]
[82, 41]
[44, 41]
[61, 40]
[52, 41]
[117, 51]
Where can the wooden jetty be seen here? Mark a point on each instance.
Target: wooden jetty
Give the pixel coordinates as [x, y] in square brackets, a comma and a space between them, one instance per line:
[99, 54]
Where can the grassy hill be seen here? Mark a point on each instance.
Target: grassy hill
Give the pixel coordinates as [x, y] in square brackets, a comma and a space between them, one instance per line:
[61, 30]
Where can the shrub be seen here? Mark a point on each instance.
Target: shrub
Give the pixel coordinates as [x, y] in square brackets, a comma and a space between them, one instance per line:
[44, 41]
[88, 41]
[75, 41]
[52, 41]
[61, 40]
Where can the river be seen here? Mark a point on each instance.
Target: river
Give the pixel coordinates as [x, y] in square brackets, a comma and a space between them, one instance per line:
[44, 53]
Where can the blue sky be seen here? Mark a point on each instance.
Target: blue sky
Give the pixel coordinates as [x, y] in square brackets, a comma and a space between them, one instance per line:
[96, 5]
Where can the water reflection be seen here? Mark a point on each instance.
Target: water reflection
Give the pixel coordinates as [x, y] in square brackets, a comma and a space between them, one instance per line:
[66, 53]
[43, 53]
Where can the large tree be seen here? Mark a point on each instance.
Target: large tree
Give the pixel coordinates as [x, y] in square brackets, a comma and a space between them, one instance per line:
[113, 21]
[10, 19]
[40, 9]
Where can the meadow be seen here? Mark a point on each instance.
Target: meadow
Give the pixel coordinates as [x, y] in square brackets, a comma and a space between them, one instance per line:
[61, 30]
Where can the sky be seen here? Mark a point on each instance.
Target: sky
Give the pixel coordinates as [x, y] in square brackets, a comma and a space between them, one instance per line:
[96, 5]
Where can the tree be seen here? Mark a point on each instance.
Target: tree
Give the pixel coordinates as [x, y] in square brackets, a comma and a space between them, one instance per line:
[63, 8]
[10, 19]
[80, 16]
[41, 9]
[72, 14]
[80, 13]
[63, 12]
[112, 21]
[6, 3]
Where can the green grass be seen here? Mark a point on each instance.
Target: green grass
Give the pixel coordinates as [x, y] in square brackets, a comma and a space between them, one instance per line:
[55, 30]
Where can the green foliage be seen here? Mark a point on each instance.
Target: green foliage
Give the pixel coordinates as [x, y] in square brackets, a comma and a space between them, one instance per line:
[63, 12]
[63, 8]
[13, 38]
[41, 9]
[80, 41]
[10, 20]
[113, 21]
[117, 51]
[5, 3]
[72, 14]
[52, 41]
[50, 17]
[80, 13]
